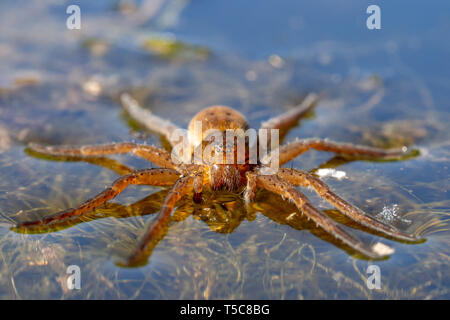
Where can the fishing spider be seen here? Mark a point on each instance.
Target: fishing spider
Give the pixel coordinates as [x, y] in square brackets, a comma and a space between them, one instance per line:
[234, 177]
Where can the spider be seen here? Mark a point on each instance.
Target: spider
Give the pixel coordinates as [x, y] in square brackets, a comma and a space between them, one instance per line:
[187, 177]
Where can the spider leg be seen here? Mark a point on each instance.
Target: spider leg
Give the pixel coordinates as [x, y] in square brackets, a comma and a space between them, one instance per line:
[250, 190]
[277, 185]
[151, 153]
[146, 206]
[148, 119]
[181, 187]
[291, 150]
[290, 118]
[108, 163]
[297, 177]
[198, 188]
[155, 177]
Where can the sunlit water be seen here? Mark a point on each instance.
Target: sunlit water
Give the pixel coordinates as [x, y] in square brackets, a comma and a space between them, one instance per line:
[60, 86]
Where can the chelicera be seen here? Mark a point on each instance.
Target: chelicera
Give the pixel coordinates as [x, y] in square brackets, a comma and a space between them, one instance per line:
[186, 178]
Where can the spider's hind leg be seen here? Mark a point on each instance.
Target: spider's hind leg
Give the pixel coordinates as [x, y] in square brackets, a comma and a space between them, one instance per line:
[289, 119]
[149, 120]
[90, 152]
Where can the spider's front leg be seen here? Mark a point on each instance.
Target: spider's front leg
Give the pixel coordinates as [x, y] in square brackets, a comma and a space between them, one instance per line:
[104, 162]
[183, 186]
[151, 153]
[291, 150]
[198, 188]
[301, 178]
[277, 185]
[155, 177]
[250, 190]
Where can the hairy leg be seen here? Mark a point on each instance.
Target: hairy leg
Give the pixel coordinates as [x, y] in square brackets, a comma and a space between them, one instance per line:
[151, 153]
[146, 206]
[148, 119]
[301, 178]
[290, 118]
[198, 188]
[250, 190]
[155, 177]
[275, 184]
[291, 150]
[107, 163]
[179, 189]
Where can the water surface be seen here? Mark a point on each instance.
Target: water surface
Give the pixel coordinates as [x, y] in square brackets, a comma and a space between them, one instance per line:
[385, 88]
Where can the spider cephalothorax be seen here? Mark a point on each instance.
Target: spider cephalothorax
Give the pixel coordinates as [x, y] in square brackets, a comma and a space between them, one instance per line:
[241, 171]
[210, 128]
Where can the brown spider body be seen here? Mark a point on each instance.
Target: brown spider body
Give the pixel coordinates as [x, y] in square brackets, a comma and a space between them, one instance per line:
[220, 118]
[187, 177]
